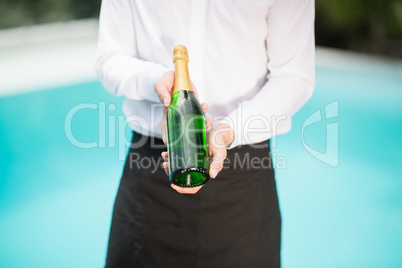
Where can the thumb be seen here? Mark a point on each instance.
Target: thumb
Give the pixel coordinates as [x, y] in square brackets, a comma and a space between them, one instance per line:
[164, 87]
[218, 157]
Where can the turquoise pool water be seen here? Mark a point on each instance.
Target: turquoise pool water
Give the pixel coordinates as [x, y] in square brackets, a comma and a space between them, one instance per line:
[56, 199]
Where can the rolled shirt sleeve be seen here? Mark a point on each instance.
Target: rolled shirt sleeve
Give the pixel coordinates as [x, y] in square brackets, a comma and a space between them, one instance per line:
[119, 69]
[291, 75]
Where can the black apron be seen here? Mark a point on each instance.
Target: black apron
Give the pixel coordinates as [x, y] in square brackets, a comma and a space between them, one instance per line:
[233, 221]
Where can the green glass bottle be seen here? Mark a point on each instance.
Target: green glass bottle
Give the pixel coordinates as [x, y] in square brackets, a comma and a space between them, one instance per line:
[186, 129]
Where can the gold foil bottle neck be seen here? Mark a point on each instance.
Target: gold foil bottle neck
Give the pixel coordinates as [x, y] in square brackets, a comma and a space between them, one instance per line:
[180, 53]
[181, 78]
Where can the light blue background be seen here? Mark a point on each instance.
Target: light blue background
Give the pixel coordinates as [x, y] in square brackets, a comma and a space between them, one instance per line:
[56, 199]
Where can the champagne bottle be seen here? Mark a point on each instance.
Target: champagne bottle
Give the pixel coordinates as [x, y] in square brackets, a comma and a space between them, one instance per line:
[186, 129]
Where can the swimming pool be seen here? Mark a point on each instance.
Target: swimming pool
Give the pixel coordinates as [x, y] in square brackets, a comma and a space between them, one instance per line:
[56, 199]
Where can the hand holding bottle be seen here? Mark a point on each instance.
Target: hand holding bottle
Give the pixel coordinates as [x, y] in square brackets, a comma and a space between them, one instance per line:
[220, 136]
[195, 153]
[164, 88]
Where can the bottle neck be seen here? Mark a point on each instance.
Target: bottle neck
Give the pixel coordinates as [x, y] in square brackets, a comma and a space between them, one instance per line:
[181, 77]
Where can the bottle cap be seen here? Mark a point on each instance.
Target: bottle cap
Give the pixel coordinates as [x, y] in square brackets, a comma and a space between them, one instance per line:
[180, 52]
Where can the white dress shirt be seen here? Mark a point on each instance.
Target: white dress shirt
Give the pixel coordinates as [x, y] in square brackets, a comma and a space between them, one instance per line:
[252, 61]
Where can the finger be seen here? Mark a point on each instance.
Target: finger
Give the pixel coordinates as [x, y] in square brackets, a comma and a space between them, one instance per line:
[204, 106]
[164, 137]
[164, 87]
[164, 95]
[165, 156]
[185, 190]
[209, 122]
[217, 162]
[166, 167]
[214, 168]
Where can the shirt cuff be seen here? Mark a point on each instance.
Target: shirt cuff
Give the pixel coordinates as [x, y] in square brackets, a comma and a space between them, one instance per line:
[251, 126]
[151, 73]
